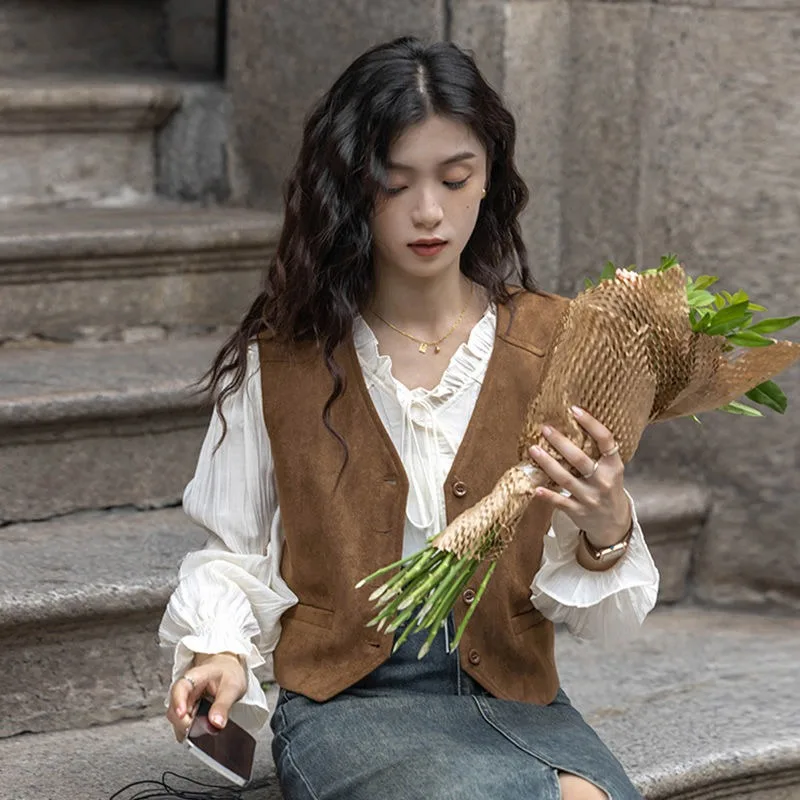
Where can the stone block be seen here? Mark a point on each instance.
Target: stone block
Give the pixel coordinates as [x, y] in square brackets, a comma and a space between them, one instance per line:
[670, 703]
[99, 761]
[97, 273]
[721, 177]
[535, 87]
[72, 35]
[283, 56]
[65, 141]
[109, 577]
[99, 426]
[672, 515]
[192, 148]
[51, 169]
[601, 143]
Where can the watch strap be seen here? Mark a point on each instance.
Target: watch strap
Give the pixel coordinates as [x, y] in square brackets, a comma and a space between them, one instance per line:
[604, 553]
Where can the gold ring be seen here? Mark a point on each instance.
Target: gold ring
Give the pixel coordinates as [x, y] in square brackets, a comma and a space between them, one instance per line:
[613, 451]
[191, 680]
[594, 469]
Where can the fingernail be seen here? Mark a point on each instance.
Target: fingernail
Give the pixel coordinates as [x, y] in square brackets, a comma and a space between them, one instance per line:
[576, 411]
[546, 430]
[536, 450]
[217, 720]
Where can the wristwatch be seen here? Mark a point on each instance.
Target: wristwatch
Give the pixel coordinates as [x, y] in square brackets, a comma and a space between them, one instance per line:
[604, 553]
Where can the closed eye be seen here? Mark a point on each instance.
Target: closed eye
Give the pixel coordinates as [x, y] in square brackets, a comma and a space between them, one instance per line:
[453, 185]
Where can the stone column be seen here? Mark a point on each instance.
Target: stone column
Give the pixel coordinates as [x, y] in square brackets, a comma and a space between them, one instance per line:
[282, 56]
[522, 47]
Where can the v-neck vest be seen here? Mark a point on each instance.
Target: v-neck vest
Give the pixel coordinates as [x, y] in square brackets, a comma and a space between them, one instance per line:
[334, 535]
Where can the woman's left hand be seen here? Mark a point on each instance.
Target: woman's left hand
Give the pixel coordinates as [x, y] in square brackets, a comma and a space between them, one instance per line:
[597, 503]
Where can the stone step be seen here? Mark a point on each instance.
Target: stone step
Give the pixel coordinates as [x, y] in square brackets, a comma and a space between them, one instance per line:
[77, 273]
[698, 707]
[80, 601]
[59, 35]
[109, 578]
[67, 139]
[99, 425]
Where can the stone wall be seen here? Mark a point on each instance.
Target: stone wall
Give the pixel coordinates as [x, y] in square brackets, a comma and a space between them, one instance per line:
[283, 56]
[643, 128]
[672, 127]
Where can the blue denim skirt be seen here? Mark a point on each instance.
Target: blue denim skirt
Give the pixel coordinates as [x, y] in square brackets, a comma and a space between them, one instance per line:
[424, 730]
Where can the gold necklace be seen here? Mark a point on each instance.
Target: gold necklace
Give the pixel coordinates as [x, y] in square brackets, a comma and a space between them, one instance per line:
[423, 345]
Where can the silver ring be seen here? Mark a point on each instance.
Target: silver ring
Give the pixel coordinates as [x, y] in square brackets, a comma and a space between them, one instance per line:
[612, 452]
[191, 680]
[594, 469]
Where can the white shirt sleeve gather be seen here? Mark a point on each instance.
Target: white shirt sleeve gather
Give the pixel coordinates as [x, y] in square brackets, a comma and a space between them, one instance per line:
[230, 595]
[607, 605]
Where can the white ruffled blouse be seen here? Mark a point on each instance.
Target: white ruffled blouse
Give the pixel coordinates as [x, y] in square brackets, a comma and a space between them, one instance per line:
[230, 595]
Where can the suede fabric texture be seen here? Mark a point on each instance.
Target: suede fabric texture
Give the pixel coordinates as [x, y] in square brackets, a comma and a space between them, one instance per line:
[335, 536]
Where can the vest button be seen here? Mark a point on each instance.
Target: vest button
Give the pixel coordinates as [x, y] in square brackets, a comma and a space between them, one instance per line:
[474, 657]
[468, 596]
[459, 488]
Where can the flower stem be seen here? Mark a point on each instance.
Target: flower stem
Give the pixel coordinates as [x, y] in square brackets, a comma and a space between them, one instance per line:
[468, 616]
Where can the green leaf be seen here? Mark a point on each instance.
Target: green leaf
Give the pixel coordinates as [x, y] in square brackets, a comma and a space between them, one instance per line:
[769, 394]
[609, 271]
[740, 297]
[754, 307]
[667, 261]
[749, 339]
[696, 419]
[726, 319]
[719, 300]
[704, 281]
[700, 298]
[728, 296]
[773, 324]
[587, 283]
[740, 408]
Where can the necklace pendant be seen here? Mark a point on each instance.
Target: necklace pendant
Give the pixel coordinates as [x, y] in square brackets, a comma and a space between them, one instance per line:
[436, 348]
[423, 348]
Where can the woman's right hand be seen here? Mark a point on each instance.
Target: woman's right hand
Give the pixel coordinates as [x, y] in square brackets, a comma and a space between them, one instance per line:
[221, 676]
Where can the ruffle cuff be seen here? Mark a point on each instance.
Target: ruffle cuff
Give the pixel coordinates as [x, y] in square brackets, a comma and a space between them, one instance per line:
[606, 605]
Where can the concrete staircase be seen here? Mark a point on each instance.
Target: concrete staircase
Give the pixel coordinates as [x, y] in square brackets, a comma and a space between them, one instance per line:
[117, 283]
[121, 269]
[699, 707]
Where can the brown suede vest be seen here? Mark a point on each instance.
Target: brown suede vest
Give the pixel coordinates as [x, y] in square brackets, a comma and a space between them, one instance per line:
[333, 539]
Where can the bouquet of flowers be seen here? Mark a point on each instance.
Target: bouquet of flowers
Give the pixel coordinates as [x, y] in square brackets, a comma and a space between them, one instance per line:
[636, 348]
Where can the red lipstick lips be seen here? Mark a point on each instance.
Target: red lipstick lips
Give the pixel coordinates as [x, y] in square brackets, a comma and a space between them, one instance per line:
[427, 248]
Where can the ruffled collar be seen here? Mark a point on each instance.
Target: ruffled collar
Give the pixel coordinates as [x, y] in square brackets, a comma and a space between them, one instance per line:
[468, 362]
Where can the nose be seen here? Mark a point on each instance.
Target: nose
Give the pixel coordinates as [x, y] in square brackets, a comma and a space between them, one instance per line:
[427, 212]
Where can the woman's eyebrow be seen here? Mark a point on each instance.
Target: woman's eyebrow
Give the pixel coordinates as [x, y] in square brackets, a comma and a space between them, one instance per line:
[465, 155]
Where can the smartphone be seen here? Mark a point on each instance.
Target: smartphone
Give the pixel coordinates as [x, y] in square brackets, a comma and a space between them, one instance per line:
[228, 751]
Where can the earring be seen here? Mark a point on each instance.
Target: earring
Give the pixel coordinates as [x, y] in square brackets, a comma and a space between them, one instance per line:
[483, 192]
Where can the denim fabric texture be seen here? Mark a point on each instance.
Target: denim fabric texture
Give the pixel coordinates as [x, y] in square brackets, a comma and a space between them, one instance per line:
[424, 730]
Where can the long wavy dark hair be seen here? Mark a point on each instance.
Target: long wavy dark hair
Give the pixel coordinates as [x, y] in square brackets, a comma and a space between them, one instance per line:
[322, 272]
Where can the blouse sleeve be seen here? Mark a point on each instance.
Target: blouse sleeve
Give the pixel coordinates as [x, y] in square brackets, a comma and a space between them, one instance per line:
[607, 605]
[230, 595]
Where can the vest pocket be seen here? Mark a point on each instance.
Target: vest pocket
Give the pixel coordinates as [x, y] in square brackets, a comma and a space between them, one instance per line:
[527, 619]
[320, 617]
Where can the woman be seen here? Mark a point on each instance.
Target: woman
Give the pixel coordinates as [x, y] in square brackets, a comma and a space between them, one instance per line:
[374, 390]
